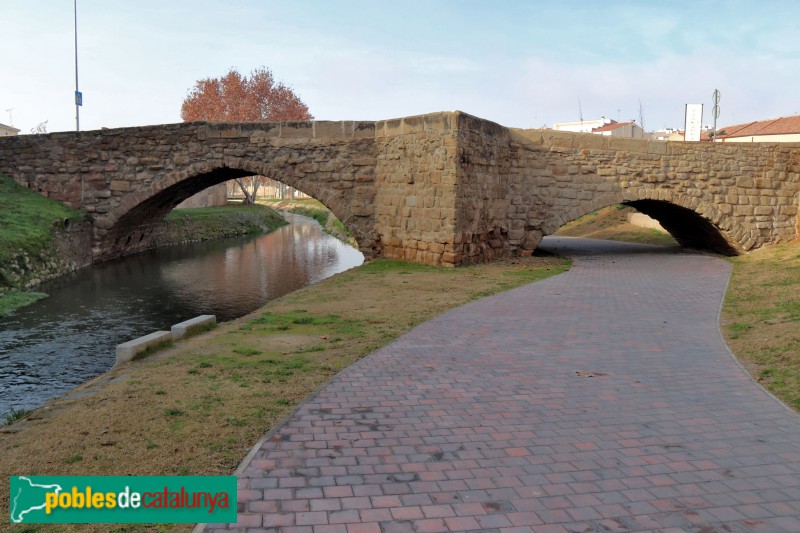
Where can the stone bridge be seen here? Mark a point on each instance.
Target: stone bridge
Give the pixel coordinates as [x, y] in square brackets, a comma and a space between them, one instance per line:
[442, 189]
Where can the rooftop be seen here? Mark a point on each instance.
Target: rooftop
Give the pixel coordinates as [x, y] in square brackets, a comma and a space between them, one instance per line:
[773, 126]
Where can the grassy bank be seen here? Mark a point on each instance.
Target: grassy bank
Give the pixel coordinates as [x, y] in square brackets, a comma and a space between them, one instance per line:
[28, 219]
[29, 224]
[761, 313]
[11, 300]
[205, 223]
[761, 318]
[197, 408]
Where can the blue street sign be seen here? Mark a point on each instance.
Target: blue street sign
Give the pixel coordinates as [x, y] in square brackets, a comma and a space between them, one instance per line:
[78, 98]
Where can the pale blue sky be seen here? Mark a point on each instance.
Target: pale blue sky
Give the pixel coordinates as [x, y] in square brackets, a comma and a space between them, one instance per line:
[519, 63]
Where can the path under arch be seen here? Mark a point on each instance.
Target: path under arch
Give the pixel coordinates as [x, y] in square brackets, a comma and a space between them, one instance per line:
[602, 399]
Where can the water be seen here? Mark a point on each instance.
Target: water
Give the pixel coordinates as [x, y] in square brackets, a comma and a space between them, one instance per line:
[59, 342]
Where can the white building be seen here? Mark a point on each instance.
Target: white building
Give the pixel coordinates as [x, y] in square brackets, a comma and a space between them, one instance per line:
[621, 129]
[583, 126]
[5, 131]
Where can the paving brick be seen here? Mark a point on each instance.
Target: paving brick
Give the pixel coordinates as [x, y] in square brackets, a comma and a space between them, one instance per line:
[602, 399]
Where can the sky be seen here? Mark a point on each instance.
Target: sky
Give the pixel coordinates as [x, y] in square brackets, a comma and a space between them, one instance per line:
[519, 63]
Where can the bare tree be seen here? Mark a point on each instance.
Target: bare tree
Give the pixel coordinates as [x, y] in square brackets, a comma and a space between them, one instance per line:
[40, 127]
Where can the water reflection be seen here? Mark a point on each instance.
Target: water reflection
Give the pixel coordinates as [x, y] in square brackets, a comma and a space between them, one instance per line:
[59, 342]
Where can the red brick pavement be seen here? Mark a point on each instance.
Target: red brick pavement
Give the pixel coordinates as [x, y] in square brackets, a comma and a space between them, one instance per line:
[600, 400]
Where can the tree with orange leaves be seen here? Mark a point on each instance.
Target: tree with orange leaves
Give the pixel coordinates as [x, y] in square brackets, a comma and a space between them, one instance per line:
[237, 98]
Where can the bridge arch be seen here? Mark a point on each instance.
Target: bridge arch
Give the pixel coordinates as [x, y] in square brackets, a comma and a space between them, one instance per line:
[693, 222]
[129, 227]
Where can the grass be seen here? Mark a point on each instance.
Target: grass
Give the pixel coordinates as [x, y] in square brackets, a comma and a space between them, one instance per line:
[198, 407]
[28, 220]
[15, 299]
[15, 415]
[192, 224]
[198, 213]
[29, 223]
[150, 350]
[761, 318]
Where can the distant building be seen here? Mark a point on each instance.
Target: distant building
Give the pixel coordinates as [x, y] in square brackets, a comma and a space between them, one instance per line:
[668, 134]
[604, 126]
[621, 129]
[6, 131]
[781, 130]
[583, 126]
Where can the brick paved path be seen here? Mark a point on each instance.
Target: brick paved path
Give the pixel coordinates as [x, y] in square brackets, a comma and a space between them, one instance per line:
[600, 400]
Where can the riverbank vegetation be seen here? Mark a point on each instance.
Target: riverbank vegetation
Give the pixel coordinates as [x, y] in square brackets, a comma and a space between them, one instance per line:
[205, 223]
[29, 225]
[761, 314]
[198, 407]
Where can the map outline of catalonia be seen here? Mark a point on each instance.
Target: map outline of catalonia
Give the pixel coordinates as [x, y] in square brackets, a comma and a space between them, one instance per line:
[21, 514]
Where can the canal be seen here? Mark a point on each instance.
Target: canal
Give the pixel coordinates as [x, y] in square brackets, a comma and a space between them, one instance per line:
[57, 343]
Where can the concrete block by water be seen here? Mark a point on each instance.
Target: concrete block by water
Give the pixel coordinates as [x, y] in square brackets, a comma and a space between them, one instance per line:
[193, 326]
[128, 350]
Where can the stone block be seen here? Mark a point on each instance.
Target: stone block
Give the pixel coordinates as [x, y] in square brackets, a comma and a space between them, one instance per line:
[193, 326]
[438, 121]
[628, 145]
[393, 127]
[363, 211]
[266, 130]
[328, 129]
[380, 129]
[560, 139]
[657, 147]
[591, 141]
[230, 132]
[413, 125]
[297, 130]
[127, 351]
[364, 130]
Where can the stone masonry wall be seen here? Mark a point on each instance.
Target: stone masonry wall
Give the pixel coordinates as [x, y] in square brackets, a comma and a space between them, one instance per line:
[128, 179]
[750, 193]
[515, 186]
[417, 178]
[441, 189]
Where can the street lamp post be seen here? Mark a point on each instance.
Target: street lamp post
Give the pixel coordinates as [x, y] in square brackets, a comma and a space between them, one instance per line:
[78, 95]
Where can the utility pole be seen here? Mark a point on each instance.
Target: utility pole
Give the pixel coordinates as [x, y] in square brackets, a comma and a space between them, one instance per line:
[715, 111]
[78, 95]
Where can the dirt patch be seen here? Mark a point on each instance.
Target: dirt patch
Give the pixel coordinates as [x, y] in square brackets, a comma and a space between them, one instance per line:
[198, 407]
